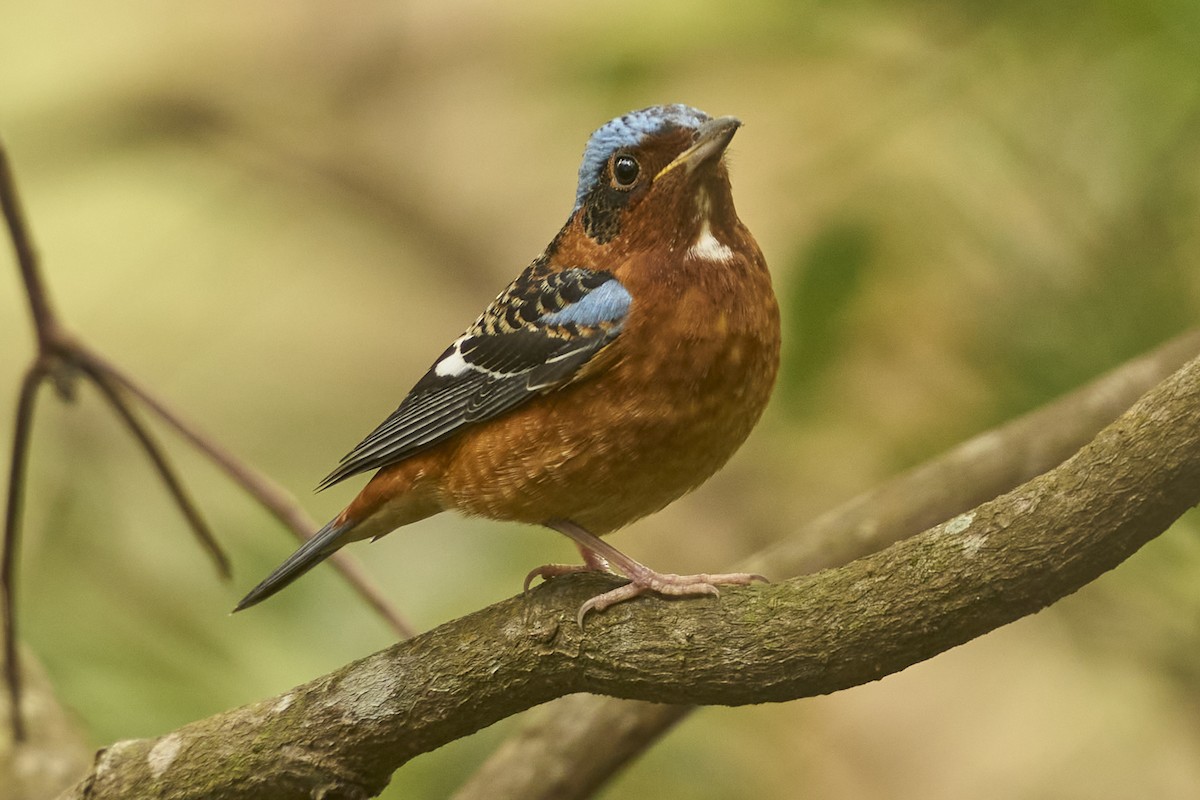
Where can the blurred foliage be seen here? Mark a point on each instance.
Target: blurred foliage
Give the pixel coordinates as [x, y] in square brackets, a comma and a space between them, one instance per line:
[825, 284]
[276, 214]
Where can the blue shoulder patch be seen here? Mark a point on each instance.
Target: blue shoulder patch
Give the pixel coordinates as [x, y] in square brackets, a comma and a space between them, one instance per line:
[627, 131]
[608, 302]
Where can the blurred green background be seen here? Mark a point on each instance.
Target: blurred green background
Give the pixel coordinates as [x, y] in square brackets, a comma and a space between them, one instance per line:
[276, 214]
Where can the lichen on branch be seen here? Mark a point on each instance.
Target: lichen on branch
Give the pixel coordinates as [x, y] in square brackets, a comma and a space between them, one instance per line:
[343, 734]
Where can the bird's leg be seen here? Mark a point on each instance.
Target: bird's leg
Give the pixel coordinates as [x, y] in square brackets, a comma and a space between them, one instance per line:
[591, 563]
[641, 578]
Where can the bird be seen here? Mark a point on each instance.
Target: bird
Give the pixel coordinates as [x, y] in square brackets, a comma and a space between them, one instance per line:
[619, 371]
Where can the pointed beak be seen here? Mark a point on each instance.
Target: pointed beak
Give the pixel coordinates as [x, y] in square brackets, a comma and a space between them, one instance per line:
[711, 140]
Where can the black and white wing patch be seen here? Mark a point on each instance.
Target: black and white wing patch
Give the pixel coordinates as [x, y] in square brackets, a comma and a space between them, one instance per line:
[533, 338]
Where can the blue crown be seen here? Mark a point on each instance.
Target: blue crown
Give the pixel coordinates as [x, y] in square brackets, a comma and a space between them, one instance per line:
[628, 131]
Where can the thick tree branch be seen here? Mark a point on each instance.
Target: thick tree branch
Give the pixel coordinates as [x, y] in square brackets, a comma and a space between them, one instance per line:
[571, 747]
[343, 734]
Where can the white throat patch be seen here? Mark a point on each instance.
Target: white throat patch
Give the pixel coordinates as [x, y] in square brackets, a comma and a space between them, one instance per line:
[708, 247]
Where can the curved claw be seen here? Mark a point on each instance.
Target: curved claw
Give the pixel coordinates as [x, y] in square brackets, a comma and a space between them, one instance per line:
[591, 563]
[548, 571]
[609, 598]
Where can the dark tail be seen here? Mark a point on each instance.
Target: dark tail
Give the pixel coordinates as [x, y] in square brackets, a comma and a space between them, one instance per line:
[322, 545]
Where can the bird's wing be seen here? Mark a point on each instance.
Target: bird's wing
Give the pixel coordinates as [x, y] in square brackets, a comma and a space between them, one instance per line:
[533, 338]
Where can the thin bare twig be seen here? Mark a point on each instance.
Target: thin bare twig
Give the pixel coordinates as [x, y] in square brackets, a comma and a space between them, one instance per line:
[61, 358]
[162, 466]
[45, 321]
[46, 328]
[269, 494]
[26, 402]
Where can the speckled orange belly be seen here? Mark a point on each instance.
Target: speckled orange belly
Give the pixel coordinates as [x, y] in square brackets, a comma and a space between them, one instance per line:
[604, 454]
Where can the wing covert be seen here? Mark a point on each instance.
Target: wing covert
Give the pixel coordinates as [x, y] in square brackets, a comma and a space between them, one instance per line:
[532, 339]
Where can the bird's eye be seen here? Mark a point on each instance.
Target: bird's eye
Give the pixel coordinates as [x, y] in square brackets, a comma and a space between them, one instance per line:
[625, 171]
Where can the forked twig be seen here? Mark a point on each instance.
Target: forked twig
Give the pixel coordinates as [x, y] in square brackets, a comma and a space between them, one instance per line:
[61, 358]
[269, 494]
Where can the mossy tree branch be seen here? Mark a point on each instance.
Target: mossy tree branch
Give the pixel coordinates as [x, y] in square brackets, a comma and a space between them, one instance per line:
[342, 735]
[571, 747]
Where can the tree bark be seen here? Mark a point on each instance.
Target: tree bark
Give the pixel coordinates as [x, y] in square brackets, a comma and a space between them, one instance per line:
[569, 748]
[342, 735]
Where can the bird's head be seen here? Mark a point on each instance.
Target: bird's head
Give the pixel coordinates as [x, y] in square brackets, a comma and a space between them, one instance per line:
[658, 172]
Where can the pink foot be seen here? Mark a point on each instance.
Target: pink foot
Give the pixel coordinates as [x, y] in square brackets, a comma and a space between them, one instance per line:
[591, 563]
[667, 584]
[598, 555]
